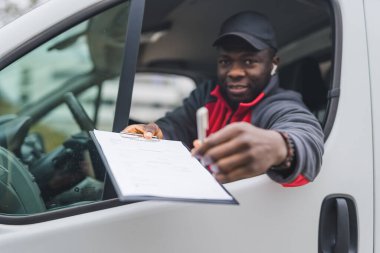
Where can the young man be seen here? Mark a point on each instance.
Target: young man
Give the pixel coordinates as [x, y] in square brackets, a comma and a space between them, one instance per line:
[255, 127]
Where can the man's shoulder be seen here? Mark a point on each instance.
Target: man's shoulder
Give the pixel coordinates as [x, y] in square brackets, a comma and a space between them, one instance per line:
[283, 96]
[280, 102]
[206, 85]
[281, 106]
[205, 88]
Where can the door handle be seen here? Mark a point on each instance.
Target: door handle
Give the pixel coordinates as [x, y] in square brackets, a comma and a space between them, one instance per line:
[338, 231]
[342, 226]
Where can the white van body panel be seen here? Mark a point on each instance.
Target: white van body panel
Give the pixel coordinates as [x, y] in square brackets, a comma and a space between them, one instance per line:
[352, 131]
[171, 227]
[373, 35]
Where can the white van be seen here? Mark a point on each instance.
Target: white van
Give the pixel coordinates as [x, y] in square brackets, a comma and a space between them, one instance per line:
[67, 67]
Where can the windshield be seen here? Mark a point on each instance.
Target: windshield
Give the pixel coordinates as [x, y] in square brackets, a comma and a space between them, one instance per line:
[13, 9]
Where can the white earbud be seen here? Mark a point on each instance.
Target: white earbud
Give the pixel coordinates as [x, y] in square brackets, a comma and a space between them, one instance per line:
[274, 68]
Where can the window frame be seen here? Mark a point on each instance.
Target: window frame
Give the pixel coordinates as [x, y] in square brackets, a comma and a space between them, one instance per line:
[334, 86]
[136, 9]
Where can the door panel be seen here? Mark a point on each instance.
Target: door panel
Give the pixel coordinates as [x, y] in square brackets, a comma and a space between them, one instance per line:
[372, 19]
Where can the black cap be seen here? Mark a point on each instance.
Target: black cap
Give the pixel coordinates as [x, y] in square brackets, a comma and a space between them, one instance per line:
[251, 26]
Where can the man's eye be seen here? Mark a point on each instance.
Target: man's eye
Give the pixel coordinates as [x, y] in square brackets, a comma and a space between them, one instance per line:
[223, 62]
[248, 61]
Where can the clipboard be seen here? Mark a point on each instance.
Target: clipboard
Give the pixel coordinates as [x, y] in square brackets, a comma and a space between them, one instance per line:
[158, 177]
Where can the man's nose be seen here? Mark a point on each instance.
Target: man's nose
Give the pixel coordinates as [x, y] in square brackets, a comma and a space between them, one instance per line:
[236, 71]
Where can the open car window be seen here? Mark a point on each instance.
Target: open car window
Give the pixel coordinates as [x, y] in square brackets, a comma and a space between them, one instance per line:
[49, 99]
[173, 40]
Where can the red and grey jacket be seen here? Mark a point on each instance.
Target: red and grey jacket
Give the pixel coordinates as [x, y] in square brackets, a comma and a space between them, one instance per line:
[274, 108]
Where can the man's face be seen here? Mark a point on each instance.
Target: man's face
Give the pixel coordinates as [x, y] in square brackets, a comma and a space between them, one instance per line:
[243, 72]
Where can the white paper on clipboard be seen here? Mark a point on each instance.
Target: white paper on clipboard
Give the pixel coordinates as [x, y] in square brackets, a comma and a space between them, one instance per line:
[159, 169]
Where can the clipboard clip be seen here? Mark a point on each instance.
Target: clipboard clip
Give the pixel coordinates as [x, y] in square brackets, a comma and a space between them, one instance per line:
[136, 136]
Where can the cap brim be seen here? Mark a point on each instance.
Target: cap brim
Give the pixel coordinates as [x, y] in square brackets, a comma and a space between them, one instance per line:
[255, 42]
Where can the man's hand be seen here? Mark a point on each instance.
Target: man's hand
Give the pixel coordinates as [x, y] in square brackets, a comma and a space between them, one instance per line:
[241, 150]
[147, 130]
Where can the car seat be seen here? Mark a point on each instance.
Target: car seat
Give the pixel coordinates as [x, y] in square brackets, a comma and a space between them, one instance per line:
[305, 76]
[19, 193]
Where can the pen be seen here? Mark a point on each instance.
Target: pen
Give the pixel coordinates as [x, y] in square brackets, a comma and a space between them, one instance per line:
[202, 123]
[202, 126]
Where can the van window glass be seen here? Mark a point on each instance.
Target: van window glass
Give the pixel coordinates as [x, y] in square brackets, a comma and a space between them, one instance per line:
[47, 160]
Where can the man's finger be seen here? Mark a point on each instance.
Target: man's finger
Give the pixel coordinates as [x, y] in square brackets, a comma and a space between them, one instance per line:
[197, 143]
[152, 129]
[136, 128]
[230, 163]
[148, 131]
[148, 135]
[228, 148]
[224, 135]
[228, 132]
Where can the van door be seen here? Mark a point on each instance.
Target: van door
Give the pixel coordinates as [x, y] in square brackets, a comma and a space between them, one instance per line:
[270, 218]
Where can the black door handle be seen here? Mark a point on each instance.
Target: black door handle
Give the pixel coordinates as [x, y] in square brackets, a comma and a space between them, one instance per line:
[338, 225]
[343, 226]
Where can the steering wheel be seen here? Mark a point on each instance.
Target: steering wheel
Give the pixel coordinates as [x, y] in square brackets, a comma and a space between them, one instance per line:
[80, 115]
[86, 124]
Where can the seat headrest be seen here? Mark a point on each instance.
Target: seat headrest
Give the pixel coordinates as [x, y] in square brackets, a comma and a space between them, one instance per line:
[305, 77]
[13, 133]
